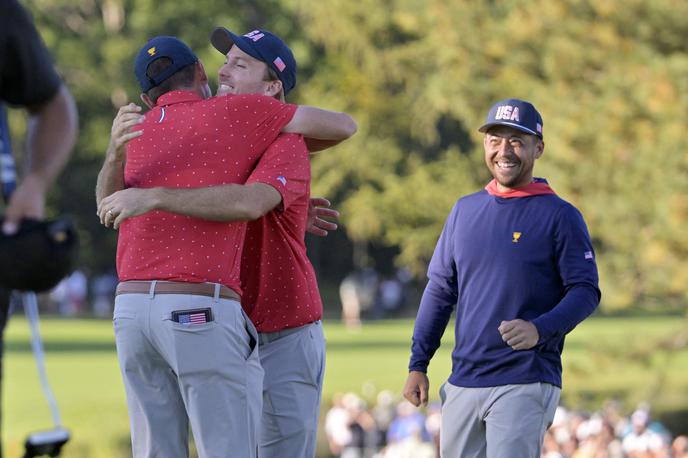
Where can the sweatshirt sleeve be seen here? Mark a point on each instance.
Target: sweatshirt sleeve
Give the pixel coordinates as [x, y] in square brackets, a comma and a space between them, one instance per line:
[438, 300]
[575, 260]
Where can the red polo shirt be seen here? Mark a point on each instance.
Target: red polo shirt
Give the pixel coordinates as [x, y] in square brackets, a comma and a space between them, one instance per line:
[189, 142]
[280, 288]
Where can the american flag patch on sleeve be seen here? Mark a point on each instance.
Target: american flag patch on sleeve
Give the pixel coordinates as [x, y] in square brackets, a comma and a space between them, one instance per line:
[588, 255]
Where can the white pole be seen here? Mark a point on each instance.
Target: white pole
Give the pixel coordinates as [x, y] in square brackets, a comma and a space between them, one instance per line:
[31, 310]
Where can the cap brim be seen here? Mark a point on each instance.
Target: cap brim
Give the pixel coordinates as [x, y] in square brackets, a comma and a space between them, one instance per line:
[223, 40]
[486, 127]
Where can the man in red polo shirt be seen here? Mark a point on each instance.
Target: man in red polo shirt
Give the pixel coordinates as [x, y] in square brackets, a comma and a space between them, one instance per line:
[185, 346]
[280, 289]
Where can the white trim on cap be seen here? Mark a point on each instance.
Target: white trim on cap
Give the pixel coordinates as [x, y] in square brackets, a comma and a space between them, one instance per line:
[511, 124]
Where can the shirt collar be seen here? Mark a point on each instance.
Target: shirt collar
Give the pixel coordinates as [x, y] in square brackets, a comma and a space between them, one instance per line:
[537, 187]
[174, 97]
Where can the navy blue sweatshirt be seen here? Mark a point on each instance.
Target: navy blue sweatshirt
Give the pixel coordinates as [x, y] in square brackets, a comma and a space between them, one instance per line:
[500, 259]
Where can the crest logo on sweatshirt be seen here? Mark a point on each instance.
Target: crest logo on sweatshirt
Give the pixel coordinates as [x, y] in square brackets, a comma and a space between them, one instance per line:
[516, 236]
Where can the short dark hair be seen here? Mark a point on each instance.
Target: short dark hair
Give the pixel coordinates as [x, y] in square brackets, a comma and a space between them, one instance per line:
[181, 79]
[270, 74]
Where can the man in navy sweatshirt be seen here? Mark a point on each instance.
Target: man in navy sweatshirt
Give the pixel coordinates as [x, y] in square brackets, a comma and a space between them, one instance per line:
[516, 262]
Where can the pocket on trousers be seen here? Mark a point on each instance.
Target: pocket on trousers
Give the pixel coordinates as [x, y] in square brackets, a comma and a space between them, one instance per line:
[313, 357]
[122, 318]
[248, 333]
[443, 394]
[191, 328]
[550, 401]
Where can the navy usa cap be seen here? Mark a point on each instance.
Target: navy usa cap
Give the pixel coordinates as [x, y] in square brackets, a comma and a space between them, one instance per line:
[264, 46]
[515, 113]
[162, 46]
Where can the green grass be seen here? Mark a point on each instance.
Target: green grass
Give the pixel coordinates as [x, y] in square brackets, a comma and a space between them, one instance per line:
[83, 372]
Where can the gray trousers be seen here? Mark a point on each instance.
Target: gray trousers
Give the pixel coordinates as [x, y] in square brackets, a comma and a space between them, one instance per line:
[294, 367]
[204, 375]
[496, 422]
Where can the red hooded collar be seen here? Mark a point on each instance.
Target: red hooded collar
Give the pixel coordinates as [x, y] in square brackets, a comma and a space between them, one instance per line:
[537, 187]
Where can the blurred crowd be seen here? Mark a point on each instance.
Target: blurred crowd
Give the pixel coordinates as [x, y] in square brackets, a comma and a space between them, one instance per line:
[609, 433]
[396, 429]
[367, 294]
[388, 429]
[81, 294]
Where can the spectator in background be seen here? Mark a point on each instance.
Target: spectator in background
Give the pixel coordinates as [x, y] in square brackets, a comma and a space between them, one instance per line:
[642, 442]
[412, 446]
[551, 448]
[103, 288]
[384, 412]
[391, 295]
[599, 440]
[28, 79]
[358, 292]
[409, 422]
[363, 430]
[77, 292]
[679, 447]
[70, 294]
[433, 423]
[350, 428]
[337, 425]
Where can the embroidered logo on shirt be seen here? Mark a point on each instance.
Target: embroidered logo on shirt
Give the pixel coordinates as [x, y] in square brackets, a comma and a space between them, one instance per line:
[516, 237]
[588, 255]
[282, 180]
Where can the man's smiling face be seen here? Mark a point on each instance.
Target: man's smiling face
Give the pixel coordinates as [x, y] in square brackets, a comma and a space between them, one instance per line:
[510, 156]
[242, 74]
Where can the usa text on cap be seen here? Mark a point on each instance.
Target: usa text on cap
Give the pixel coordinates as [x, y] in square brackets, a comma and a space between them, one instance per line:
[515, 113]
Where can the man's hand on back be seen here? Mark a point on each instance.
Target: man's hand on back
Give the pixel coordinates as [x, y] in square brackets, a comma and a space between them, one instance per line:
[318, 208]
[127, 117]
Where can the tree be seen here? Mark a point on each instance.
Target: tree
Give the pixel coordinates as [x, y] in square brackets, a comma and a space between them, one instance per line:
[419, 76]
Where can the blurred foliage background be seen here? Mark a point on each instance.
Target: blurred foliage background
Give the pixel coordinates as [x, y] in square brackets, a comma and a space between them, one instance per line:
[610, 78]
